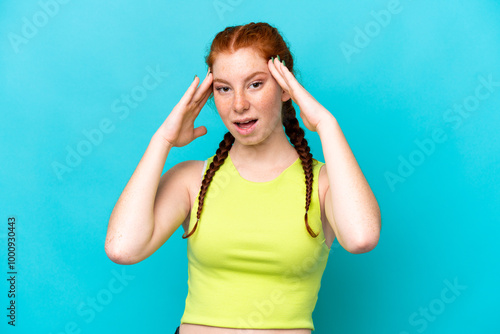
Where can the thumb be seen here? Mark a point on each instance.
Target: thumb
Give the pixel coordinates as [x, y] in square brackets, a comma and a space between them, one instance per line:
[200, 131]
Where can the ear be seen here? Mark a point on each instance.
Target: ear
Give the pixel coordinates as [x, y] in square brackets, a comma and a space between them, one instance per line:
[285, 96]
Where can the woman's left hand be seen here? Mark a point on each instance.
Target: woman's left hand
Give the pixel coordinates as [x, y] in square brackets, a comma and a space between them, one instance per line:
[311, 111]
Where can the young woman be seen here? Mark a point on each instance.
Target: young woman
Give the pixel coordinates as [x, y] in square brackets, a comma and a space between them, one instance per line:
[261, 214]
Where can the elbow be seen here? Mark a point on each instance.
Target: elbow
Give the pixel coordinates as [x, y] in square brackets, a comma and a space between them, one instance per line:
[117, 256]
[120, 259]
[363, 246]
[365, 243]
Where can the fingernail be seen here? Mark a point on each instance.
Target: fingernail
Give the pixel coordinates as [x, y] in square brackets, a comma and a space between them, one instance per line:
[278, 58]
[284, 63]
[272, 60]
[195, 76]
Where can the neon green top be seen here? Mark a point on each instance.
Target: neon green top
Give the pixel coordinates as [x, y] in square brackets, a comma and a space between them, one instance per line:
[251, 261]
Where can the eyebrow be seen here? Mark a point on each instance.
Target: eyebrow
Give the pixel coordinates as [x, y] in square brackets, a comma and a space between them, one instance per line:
[248, 77]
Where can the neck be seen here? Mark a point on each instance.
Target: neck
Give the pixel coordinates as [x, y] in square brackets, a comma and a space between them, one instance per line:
[265, 153]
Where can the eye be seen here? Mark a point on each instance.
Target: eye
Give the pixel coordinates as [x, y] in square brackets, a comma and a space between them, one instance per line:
[222, 89]
[258, 83]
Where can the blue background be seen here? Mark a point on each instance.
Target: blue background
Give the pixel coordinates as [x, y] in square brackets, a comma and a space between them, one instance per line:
[440, 219]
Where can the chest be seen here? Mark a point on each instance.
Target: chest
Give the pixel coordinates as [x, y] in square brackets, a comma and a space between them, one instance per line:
[255, 230]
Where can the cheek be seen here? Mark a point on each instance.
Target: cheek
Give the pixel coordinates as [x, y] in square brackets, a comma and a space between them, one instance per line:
[271, 98]
[219, 103]
[222, 105]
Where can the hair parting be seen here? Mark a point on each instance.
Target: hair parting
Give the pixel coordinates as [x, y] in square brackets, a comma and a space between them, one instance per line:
[268, 42]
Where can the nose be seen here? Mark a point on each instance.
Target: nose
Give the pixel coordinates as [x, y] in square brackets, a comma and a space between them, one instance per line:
[240, 102]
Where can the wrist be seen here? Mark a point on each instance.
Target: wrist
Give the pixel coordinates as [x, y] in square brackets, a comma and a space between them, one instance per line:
[159, 140]
[327, 124]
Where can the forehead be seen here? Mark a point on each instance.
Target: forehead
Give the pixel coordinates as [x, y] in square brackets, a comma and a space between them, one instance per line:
[240, 62]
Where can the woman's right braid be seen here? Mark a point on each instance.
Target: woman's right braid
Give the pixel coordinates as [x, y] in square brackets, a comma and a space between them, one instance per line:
[297, 138]
[220, 155]
[267, 41]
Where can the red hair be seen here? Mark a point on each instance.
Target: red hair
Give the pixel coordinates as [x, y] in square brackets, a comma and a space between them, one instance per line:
[268, 42]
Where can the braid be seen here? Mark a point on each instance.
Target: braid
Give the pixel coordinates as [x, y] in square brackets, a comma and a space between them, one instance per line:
[219, 158]
[267, 41]
[296, 135]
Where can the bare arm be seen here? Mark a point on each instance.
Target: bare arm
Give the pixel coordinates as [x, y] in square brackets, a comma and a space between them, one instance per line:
[151, 208]
[350, 205]
[131, 223]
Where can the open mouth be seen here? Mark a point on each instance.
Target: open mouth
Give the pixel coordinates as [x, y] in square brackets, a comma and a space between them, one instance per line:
[246, 125]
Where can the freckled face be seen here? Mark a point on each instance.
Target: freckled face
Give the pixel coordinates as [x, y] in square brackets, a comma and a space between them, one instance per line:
[244, 88]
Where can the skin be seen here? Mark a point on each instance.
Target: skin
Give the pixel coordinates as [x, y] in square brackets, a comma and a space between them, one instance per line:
[152, 206]
[240, 94]
[263, 154]
[349, 204]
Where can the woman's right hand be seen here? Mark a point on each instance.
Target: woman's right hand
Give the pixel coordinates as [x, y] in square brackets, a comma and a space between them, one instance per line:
[178, 129]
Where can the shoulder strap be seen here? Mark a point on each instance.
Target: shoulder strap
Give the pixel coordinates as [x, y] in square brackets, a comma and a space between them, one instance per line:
[203, 171]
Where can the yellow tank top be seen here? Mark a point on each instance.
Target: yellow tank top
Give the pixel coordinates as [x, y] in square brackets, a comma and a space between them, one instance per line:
[251, 261]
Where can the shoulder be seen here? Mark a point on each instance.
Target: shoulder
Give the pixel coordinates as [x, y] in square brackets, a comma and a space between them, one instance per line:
[187, 168]
[318, 167]
[322, 174]
[186, 172]
[323, 183]
[192, 171]
[323, 187]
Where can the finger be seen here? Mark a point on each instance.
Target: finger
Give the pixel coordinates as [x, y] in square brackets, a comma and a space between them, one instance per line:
[188, 95]
[195, 110]
[287, 81]
[203, 101]
[207, 95]
[205, 86]
[279, 67]
[288, 77]
[200, 131]
[274, 70]
[277, 75]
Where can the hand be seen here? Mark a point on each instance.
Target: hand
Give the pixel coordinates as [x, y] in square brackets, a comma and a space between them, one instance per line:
[311, 111]
[178, 129]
